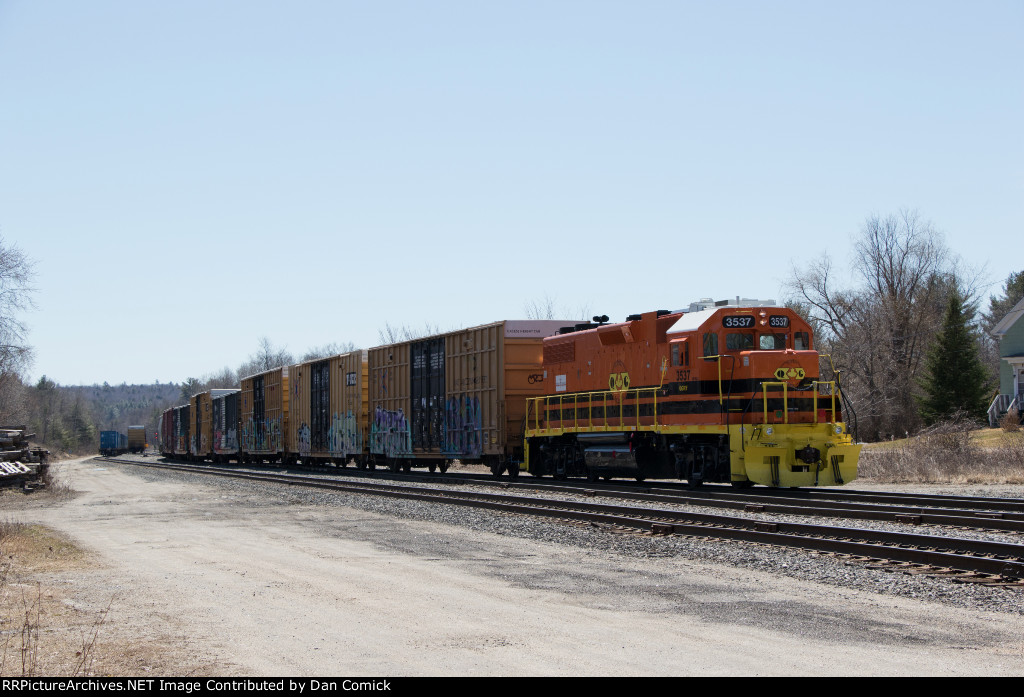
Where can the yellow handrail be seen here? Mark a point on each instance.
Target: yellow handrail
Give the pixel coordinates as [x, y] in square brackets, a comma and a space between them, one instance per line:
[541, 405]
[718, 360]
[832, 391]
[785, 400]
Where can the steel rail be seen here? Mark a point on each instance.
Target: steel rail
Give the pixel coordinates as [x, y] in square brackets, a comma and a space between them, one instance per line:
[737, 500]
[977, 556]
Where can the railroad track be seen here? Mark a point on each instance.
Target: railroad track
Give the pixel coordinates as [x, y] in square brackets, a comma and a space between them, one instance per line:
[964, 559]
[977, 513]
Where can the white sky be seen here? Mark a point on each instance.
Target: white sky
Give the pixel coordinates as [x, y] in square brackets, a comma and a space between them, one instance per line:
[191, 176]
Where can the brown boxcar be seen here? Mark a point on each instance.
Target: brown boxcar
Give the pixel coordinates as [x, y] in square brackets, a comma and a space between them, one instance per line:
[181, 429]
[460, 395]
[226, 416]
[201, 438]
[136, 439]
[265, 421]
[166, 432]
[329, 413]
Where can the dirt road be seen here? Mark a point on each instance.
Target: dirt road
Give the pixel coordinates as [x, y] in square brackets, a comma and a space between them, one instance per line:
[226, 580]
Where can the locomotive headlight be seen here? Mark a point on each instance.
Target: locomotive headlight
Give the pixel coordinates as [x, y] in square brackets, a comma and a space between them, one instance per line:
[839, 430]
[768, 431]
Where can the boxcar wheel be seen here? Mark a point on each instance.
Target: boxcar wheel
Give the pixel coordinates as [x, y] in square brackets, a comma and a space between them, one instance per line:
[432, 467]
[444, 467]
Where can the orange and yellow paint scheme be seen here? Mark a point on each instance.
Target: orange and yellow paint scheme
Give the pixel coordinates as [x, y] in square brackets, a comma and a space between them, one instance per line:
[723, 393]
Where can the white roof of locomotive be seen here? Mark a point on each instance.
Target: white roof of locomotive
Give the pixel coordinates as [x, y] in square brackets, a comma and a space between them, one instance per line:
[700, 312]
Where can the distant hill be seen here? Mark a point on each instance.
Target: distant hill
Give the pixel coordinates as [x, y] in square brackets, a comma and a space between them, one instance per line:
[116, 407]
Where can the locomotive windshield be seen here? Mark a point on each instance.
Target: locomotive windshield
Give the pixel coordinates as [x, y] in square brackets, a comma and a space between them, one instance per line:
[773, 342]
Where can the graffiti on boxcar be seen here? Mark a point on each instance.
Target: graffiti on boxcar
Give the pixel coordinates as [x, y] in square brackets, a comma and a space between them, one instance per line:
[262, 440]
[303, 438]
[463, 426]
[225, 441]
[390, 434]
[344, 436]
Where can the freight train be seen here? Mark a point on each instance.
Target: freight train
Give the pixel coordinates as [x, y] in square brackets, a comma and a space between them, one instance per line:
[720, 392]
[117, 443]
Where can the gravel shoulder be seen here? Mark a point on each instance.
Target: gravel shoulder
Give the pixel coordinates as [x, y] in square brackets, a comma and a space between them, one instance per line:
[214, 577]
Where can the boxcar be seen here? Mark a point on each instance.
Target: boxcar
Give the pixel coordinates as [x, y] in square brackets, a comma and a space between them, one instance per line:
[460, 395]
[113, 443]
[265, 435]
[136, 439]
[329, 414]
[166, 432]
[181, 431]
[226, 415]
[201, 429]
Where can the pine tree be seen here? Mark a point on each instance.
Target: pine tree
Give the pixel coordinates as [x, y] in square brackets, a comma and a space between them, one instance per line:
[955, 378]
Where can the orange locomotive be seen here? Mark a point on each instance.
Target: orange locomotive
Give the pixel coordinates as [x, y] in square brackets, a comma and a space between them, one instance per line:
[721, 392]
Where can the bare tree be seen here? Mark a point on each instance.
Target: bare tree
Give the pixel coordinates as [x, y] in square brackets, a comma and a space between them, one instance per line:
[878, 333]
[225, 379]
[544, 308]
[327, 350]
[266, 358]
[396, 335]
[540, 308]
[16, 274]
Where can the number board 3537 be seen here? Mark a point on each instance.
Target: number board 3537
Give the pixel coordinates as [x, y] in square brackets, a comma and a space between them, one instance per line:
[738, 321]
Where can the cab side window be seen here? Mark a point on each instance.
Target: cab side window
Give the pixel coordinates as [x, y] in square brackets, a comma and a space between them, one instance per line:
[711, 344]
[801, 341]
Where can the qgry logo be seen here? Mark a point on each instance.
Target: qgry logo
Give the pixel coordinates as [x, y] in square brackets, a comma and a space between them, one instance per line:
[790, 373]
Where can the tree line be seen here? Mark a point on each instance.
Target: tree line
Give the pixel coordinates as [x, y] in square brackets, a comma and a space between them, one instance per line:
[904, 332]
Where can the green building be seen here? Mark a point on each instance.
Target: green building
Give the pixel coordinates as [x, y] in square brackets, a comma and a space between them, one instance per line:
[1010, 334]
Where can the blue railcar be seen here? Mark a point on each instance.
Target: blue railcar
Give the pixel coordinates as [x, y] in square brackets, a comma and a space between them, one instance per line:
[113, 443]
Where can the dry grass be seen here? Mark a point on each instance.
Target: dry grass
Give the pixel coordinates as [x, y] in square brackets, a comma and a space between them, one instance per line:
[39, 634]
[1010, 421]
[954, 452]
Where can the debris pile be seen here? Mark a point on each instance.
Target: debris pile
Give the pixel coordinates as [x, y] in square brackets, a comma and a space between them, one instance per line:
[20, 462]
